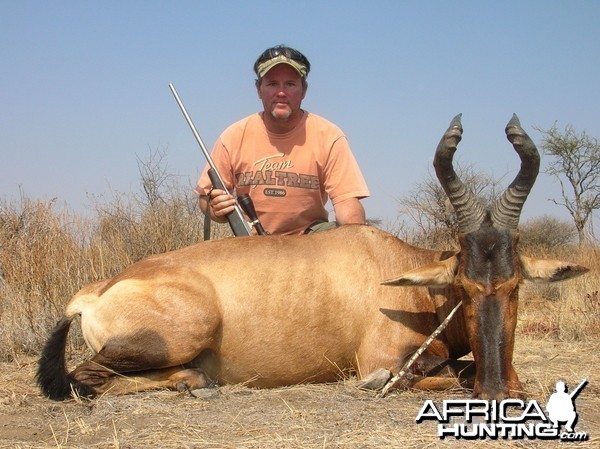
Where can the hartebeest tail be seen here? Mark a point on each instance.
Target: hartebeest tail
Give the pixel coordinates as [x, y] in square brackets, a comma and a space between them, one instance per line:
[52, 374]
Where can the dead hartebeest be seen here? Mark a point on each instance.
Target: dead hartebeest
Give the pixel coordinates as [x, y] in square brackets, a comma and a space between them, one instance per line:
[274, 311]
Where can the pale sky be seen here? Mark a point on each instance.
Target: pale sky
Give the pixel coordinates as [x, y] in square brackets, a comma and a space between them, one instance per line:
[84, 85]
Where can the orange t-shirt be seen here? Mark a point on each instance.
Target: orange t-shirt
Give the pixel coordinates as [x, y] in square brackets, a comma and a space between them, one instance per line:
[289, 176]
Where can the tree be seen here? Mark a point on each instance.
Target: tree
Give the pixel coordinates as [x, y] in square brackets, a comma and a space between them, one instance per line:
[155, 176]
[576, 165]
[546, 232]
[427, 206]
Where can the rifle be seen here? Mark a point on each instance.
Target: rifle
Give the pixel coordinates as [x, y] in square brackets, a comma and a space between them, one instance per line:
[237, 222]
[578, 389]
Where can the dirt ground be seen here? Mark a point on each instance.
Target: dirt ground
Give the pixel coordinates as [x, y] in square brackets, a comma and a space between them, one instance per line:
[306, 416]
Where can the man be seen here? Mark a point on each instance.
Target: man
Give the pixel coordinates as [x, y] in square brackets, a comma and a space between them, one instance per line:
[288, 160]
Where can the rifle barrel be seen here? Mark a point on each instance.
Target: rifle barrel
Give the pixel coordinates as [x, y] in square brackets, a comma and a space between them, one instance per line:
[579, 387]
[236, 219]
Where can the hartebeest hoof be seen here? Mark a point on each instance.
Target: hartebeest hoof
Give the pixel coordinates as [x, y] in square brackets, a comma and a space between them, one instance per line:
[375, 380]
[189, 379]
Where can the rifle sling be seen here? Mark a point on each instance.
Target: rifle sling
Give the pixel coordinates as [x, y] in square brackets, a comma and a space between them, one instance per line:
[207, 222]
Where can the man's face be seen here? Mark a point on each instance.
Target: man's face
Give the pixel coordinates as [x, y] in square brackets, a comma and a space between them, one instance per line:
[281, 91]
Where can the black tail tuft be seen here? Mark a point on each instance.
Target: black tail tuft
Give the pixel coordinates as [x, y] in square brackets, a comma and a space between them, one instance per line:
[52, 374]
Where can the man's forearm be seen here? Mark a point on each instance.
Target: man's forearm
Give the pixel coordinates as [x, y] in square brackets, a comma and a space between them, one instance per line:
[350, 211]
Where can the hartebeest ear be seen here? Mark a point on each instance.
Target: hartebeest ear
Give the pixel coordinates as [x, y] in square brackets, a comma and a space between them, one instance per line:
[545, 270]
[437, 274]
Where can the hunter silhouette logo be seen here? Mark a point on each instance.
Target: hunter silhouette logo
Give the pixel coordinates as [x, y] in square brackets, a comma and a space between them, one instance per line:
[514, 419]
[561, 405]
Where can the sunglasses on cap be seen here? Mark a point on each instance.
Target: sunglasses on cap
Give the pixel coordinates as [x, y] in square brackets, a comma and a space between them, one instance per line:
[281, 55]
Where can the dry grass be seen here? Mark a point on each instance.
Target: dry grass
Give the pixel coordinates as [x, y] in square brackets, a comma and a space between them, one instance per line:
[306, 416]
[48, 253]
[41, 264]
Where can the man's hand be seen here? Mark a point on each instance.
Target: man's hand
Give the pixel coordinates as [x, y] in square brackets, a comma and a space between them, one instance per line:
[219, 204]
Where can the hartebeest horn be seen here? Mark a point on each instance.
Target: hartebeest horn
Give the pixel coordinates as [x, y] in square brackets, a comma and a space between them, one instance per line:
[469, 210]
[506, 211]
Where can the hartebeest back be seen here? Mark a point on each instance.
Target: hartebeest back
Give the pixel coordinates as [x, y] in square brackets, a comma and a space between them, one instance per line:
[272, 311]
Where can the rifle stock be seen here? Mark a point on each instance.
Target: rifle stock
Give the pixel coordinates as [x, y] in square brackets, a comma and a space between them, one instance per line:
[238, 224]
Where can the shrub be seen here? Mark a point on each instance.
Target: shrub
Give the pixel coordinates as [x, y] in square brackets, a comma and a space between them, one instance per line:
[546, 233]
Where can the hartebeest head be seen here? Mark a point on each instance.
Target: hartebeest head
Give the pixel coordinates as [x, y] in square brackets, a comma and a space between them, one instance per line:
[487, 270]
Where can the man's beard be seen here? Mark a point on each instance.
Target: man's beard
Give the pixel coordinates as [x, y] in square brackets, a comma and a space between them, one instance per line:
[279, 115]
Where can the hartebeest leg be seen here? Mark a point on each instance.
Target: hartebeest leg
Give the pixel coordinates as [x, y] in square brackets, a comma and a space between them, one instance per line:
[105, 380]
[429, 372]
[435, 366]
[436, 373]
[171, 378]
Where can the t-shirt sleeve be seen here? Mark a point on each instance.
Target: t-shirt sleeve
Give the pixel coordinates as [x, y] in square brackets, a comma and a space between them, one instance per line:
[343, 177]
